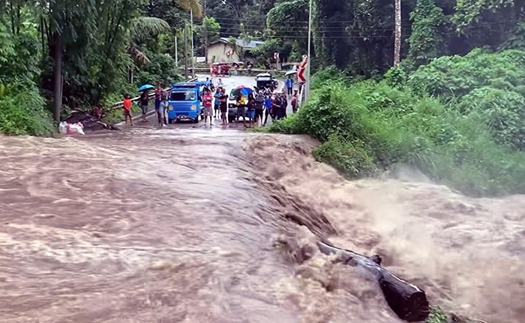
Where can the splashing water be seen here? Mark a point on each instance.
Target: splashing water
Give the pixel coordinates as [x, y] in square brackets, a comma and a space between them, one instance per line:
[172, 226]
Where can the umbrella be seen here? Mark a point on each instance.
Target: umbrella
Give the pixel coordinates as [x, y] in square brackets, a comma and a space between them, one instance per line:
[146, 87]
[291, 72]
[244, 89]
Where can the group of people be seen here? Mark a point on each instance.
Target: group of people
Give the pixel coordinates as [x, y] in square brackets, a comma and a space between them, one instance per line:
[253, 108]
[161, 106]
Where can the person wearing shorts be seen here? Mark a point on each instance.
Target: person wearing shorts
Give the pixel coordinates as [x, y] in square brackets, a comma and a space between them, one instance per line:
[217, 103]
[126, 109]
[241, 109]
[208, 105]
[144, 102]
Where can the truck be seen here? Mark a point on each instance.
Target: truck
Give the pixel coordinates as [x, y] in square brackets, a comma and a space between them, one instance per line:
[185, 101]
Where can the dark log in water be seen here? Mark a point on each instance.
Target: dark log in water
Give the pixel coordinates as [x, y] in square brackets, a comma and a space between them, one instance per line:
[406, 300]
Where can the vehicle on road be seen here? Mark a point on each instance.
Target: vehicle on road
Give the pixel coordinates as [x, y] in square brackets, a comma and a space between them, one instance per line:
[185, 102]
[232, 100]
[232, 106]
[221, 69]
[265, 81]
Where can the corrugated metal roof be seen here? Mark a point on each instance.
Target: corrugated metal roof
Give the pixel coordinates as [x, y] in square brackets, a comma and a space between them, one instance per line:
[246, 45]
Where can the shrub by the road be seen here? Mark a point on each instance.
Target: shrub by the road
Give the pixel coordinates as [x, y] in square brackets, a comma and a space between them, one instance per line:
[490, 85]
[23, 112]
[367, 127]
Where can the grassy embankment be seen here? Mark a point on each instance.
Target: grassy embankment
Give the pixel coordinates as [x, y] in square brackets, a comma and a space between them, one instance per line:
[460, 120]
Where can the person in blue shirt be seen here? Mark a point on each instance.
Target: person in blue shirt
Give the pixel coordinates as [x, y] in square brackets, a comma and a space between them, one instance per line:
[216, 103]
[289, 85]
[267, 107]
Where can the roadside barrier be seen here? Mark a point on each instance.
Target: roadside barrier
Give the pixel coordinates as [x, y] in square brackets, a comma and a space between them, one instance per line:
[151, 95]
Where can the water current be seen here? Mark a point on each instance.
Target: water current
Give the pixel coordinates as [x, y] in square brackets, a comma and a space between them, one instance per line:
[200, 225]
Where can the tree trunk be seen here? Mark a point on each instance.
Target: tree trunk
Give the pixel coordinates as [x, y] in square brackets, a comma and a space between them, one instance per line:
[185, 52]
[397, 33]
[57, 75]
[407, 301]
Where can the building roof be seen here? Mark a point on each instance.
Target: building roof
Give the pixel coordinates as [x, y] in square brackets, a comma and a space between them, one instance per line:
[241, 42]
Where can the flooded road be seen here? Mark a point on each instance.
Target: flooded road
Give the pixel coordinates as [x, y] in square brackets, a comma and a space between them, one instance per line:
[200, 225]
[150, 227]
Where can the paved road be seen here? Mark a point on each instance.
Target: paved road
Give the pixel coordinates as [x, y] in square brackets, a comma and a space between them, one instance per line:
[228, 82]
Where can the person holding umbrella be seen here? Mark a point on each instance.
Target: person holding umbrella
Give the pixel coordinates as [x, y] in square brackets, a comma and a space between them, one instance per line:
[144, 100]
[241, 108]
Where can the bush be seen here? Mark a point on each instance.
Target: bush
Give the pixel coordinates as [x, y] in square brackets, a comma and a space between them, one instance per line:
[161, 69]
[23, 112]
[490, 85]
[371, 125]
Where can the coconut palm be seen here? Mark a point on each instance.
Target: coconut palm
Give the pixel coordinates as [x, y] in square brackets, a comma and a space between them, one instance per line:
[143, 28]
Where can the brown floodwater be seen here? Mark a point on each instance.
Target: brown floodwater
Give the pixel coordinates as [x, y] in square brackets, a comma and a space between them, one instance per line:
[181, 225]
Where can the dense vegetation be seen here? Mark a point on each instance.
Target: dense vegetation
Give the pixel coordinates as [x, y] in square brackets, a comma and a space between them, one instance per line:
[460, 120]
[55, 57]
[454, 107]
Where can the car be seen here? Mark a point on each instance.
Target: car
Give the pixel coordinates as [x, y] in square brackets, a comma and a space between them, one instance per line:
[232, 107]
[265, 81]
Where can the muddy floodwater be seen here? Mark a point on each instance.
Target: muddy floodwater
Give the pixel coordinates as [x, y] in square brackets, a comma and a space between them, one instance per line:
[182, 225]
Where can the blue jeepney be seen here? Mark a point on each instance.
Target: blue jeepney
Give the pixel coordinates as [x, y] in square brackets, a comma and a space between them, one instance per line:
[185, 102]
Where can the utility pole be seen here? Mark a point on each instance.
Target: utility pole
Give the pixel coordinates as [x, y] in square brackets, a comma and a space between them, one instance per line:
[185, 52]
[309, 63]
[176, 52]
[192, 46]
[205, 27]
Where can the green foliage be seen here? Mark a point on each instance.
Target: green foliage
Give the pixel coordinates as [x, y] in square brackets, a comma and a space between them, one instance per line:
[490, 86]
[161, 69]
[350, 156]
[369, 123]
[437, 316]
[209, 28]
[329, 73]
[22, 112]
[263, 54]
[425, 40]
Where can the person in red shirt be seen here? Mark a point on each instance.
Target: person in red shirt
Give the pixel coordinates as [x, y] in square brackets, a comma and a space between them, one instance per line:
[126, 109]
[208, 102]
[294, 101]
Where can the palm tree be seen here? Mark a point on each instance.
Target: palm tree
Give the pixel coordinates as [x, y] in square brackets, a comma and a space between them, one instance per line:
[143, 28]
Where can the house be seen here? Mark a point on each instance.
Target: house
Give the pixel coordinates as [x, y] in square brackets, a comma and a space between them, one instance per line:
[224, 51]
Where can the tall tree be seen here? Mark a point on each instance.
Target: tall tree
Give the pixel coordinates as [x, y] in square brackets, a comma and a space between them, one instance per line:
[397, 33]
